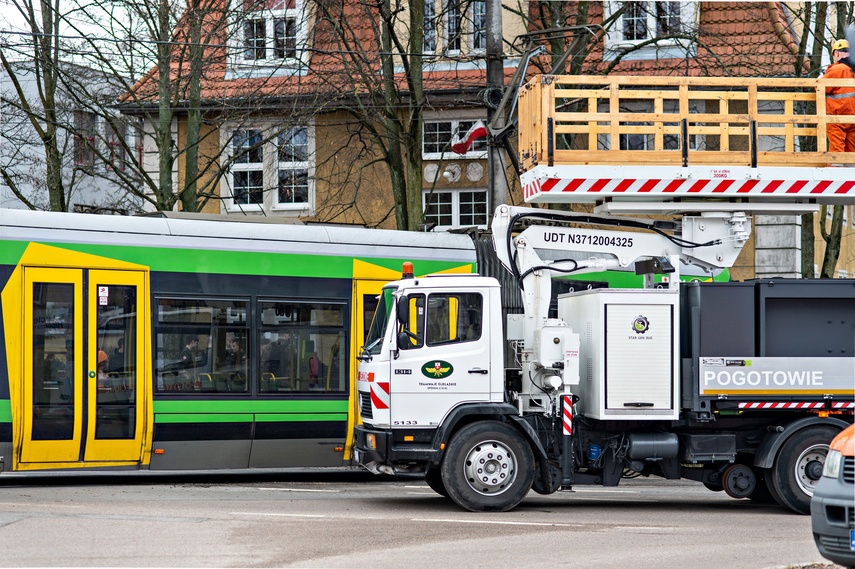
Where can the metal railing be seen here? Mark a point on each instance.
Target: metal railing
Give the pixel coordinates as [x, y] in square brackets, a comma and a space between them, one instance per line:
[619, 120]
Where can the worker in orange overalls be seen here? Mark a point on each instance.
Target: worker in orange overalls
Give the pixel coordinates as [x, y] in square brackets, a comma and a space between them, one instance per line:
[840, 100]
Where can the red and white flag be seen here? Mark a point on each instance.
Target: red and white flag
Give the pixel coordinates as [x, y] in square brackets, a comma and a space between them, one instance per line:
[462, 145]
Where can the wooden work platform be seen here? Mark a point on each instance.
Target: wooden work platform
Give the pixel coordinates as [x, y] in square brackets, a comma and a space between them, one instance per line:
[597, 139]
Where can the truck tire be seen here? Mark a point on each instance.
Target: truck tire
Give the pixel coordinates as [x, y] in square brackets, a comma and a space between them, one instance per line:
[763, 493]
[433, 478]
[798, 467]
[489, 467]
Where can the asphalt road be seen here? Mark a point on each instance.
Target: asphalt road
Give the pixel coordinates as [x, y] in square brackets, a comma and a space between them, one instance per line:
[354, 520]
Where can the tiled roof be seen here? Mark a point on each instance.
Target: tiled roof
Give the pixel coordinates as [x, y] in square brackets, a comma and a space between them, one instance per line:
[330, 71]
[736, 39]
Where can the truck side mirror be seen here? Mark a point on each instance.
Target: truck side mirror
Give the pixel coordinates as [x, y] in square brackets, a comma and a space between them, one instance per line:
[404, 341]
[403, 310]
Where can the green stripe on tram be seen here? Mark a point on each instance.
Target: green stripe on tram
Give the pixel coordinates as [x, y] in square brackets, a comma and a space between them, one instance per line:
[5, 411]
[183, 260]
[232, 407]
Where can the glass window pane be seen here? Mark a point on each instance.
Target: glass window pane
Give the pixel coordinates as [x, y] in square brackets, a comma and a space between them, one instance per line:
[247, 147]
[473, 208]
[635, 21]
[440, 209]
[293, 186]
[202, 345]
[302, 347]
[437, 137]
[53, 362]
[430, 27]
[248, 187]
[479, 24]
[667, 18]
[254, 32]
[285, 37]
[454, 19]
[117, 376]
[294, 145]
[454, 318]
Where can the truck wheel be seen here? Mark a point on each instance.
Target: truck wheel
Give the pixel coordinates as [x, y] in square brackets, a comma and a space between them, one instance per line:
[739, 481]
[762, 493]
[539, 485]
[433, 478]
[798, 467]
[489, 467]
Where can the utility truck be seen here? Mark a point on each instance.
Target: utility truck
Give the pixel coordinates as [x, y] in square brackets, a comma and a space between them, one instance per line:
[739, 385]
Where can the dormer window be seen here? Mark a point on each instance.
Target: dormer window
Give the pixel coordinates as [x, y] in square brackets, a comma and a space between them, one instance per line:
[455, 26]
[669, 24]
[270, 32]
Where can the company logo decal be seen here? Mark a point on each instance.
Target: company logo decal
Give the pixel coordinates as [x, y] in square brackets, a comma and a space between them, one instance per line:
[640, 324]
[437, 369]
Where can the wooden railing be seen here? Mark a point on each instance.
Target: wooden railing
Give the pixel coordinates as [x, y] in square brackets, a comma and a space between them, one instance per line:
[565, 120]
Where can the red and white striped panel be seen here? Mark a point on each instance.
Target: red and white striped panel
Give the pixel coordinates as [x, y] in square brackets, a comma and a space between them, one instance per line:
[843, 405]
[567, 405]
[593, 188]
[380, 394]
[782, 405]
[580, 183]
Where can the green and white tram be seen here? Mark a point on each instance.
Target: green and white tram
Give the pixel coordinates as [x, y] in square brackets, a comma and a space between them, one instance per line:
[164, 343]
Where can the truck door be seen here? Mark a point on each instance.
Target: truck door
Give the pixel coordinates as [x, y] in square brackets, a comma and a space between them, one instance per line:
[445, 355]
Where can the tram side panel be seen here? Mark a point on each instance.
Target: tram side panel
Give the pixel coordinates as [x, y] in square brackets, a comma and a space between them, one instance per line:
[268, 383]
[5, 403]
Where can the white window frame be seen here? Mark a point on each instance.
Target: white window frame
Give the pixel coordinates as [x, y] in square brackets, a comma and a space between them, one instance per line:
[477, 32]
[294, 165]
[447, 20]
[455, 194]
[270, 166]
[448, 154]
[662, 49]
[270, 17]
[240, 167]
[430, 42]
[464, 17]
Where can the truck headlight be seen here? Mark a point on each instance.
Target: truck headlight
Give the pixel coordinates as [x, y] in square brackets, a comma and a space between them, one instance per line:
[371, 441]
[833, 460]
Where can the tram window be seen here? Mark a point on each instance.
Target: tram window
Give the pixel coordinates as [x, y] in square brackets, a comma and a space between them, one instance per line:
[369, 306]
[302, 347]
[202, 346]
[53, 362]
[116, 398]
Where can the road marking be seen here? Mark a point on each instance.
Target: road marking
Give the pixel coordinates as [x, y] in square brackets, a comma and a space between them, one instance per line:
[603, 491]
[277, 515]
[496, 522]
[299, 490]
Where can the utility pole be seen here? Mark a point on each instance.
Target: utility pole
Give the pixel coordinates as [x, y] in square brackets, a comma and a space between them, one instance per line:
[496, 161]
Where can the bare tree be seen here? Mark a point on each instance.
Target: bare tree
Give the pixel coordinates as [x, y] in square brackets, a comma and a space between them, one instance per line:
[40, 109]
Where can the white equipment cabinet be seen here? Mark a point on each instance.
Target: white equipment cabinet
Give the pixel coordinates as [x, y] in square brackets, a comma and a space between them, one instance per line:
[628, 352]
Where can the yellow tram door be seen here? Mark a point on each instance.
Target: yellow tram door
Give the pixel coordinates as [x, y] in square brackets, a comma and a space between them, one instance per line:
[84, 386]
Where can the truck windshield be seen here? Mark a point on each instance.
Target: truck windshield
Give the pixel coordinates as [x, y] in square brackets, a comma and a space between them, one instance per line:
[376, 333]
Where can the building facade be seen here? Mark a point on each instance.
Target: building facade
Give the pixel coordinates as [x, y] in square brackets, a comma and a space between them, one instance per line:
[301, 100]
